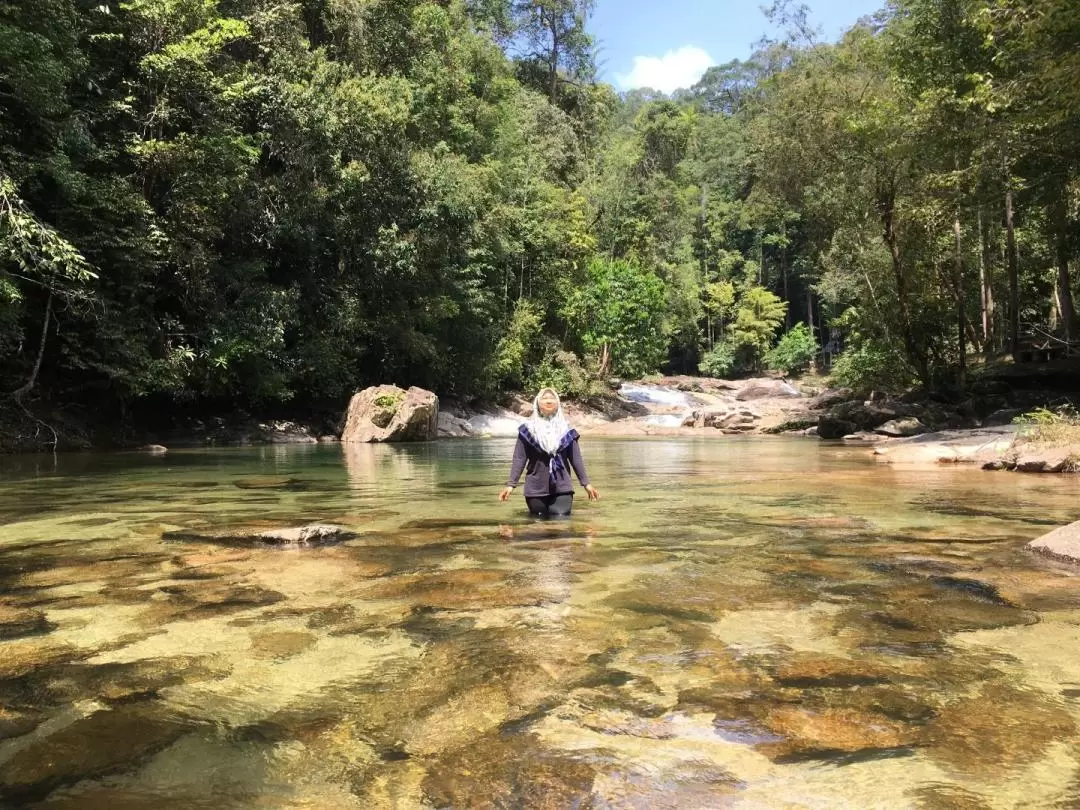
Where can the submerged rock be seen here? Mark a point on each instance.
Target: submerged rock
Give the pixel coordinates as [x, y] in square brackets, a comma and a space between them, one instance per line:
[1061, 544]
[16, 622]
[808, 730]
[511, 772]
[387, 413]
[1002, 728]
[902, 427]
[87, 740]
[315, 534]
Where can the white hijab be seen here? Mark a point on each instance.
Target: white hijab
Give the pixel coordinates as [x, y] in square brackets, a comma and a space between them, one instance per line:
[549, 431]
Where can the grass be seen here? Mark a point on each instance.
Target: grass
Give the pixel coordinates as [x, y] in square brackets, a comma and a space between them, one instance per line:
[1049, 427]
[388, 402]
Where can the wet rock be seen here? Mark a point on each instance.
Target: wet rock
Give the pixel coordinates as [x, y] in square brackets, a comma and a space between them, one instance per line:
[947, 616]
[119, 681]
[1050, 460]
[282, 432]
[328, 440]
[852, 417]
[767, 389]
[467, 715]
[464, 589]
[315, 534]
[832, 426]
[17, 622]
[454, 427]
[799, 425]
[16, 722]
[862, 437]
[806, 729]
[214, 598]
[949, 447]
[23, 656]
[909, 426]
[281, 644]
[86, 741]
[515, 772]
[830, 397]
[817, 671]
[389, 414]
[283, 484]
[1061, 544]
[1001, 728]
[949, 797]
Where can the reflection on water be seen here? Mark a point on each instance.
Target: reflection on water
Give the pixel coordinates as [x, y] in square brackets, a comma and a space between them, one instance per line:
[739, 623]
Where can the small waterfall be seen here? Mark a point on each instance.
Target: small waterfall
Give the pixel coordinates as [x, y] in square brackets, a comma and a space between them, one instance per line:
[654, 395]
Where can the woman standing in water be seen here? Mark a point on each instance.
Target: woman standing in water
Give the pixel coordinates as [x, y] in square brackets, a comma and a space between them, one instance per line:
[546, 449]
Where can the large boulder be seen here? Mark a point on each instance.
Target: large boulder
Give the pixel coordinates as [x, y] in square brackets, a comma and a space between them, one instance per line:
[1061, 544]
[767, 389]
[853, 417]
[452, 426]
[830, 397]
[387, 413]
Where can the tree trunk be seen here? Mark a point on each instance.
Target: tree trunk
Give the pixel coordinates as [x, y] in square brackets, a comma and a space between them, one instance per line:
[986, 287]
[553, 58]
[961, 320]
[1063, 292]
[28, 386]
[886, 203]
[1014, 273]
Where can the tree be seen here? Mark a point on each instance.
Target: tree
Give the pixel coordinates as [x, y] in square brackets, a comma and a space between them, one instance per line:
[618, 317]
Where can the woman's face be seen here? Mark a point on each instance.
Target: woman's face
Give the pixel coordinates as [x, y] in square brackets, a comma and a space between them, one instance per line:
[548, 404]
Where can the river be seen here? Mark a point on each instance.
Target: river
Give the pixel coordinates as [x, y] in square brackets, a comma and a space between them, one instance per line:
[746, 623]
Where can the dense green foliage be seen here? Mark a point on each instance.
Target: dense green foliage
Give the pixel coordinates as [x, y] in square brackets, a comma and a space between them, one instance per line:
[248, 202]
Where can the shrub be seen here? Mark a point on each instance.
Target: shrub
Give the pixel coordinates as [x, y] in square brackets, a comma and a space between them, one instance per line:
[794, 352]
[719, 361]
[873, 364]
[563, 371]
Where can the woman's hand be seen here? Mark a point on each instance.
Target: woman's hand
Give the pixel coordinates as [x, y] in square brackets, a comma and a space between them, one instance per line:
[593, 494]
[506, 493]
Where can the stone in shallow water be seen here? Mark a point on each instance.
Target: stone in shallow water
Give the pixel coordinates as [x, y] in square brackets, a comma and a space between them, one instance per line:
[817, 671]
[16, 722]
[90, 740]
[466, 716]
[949, 797]
[16, 622]
[1061, 544]
[315, 534]
[514, 772]
[811, 730]
[281, 644]
[948, 616]
[463, 589]
[22, 656]
[1001, 728]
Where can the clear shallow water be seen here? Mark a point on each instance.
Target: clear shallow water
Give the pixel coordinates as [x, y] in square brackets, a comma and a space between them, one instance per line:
[739, 623]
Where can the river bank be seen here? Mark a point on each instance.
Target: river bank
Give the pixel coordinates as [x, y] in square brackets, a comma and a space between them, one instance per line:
[914, 428]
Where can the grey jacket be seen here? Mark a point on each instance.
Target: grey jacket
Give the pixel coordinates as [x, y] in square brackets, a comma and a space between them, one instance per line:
[542, 477]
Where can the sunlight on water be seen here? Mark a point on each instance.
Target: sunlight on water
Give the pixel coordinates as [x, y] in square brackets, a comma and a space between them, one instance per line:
[747, 623]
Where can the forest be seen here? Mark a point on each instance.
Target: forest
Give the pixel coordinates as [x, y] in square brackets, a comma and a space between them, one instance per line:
[268, 204]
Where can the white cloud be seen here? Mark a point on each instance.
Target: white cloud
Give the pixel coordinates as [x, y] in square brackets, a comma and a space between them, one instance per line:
[674, 70]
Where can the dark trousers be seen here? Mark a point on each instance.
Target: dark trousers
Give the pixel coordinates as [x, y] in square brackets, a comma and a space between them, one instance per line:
[553, 506]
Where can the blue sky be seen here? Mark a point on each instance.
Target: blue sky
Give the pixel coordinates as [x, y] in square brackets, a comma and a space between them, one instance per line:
[669, 44]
